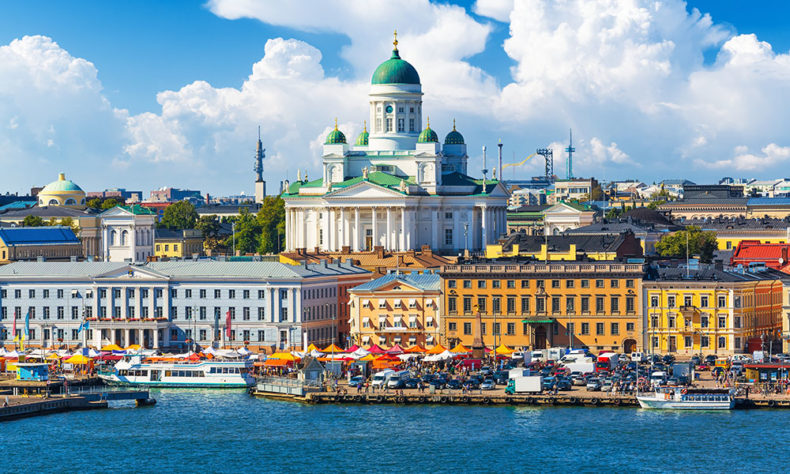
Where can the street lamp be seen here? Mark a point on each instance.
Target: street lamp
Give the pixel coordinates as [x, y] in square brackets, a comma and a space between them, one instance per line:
[466, 238]
[233, 232]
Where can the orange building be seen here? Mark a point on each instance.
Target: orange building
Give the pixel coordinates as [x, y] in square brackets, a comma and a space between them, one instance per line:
[536, 305]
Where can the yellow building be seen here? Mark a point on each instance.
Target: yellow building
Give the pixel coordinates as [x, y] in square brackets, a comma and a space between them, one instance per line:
[62, 192]
[535, 305]
[570, 247]
[178, 243]
[396, 309]
[713, 311]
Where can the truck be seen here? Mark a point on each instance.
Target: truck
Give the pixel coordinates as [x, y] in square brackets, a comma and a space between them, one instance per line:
[607, 361]
[380, 378]
[530, 384]
[584, 365]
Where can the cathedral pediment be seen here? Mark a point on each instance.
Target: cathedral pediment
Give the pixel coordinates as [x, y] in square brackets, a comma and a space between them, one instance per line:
[365, 190]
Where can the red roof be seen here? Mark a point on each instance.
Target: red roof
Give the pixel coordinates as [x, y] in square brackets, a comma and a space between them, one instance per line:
[752, 251]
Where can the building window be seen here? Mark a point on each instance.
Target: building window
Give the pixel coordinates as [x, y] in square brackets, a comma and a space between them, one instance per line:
[703, 341]
[481, 283]
[452, 284]
[629, 283]
[615, 327]
[496, 329]
[483, 329]
[599, 329]
[511, 304]
[231, 294]
[688, 301]
[687, 342]
[737, 342]
[411, 124]
[585, 329]
[615, 283]
[246, 295]
[599, 304]
[722, 322]
[737, 322]
[467, 304]
[448, 236]
[496, 284]
[511, 284]
[737, 302]
[45, 312]
[570, 329]
[654, 301]
[481, 304]
[467, 284]
[629, 304]
[671, 301]
[401, 127]
[599, 283]
[245, 313]
[670, 321]
[614, 304]
[703, 301]
[555, 304]
[722, 301]
[389, 124]
[496, 305]
[467, 329]
[525, 304]
[585, 304]
[451, 304]
[629, 327]
[570, 304]
[555, 283]
[703, 321]
[524, 283]
[540, 304]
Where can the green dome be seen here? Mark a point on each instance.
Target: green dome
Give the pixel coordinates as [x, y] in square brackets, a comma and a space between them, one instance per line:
[395, 71]
[62, 184]
[428, 136]
[454, 137]
[362, 139]
[334, 137]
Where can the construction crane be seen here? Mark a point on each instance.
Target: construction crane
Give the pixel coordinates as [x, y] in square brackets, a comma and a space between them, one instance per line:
[501, 172]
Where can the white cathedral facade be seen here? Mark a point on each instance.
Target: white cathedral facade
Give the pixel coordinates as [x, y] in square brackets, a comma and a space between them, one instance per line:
[397, 186]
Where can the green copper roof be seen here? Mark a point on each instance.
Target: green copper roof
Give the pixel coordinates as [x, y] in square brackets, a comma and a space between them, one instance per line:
[428, 136]
[62, 184]
[454, 138]
[334, 137]
[395, 71]
[362, 139]
[138, 210]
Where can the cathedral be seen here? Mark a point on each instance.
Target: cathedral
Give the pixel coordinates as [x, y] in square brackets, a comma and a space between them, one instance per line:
[397, 186]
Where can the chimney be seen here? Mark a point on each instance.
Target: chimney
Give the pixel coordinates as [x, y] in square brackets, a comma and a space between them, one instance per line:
[346, 250]
[400, 261]
[208, 199]
[427, 251]
[379, 251]
[784, 255]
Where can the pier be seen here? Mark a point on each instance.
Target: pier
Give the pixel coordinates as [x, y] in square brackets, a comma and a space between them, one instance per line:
[24, 407]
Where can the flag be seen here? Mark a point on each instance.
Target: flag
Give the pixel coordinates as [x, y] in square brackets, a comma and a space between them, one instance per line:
[16, 336]
[227, 324]
[84, 326]
[27, 325]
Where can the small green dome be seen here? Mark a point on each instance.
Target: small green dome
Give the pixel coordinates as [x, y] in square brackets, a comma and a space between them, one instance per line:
[335, 136]
[428, 135]
[395, 71]
[362, 139]
[454, 137]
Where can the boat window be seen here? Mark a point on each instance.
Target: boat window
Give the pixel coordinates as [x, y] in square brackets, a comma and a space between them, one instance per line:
[224, 370]
[168, 373]
[212, 370]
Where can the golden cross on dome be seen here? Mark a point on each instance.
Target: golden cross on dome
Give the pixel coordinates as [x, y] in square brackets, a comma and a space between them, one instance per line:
[335, 123]
[366, 125]
[395, 43]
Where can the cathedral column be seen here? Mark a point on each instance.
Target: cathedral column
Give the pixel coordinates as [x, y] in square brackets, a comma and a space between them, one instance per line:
[375, 228]
[356, 229]
[332, 229]
[342, 228]
[470, 230]
[133, 236]
[402, 236]
[288, 234]
[325, 229]
[484, 227]
[388, 239]
[456, 237]
[105, 243]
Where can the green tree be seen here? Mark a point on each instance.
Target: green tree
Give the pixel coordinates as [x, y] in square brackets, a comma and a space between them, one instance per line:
[247, 233]
[109, 203]
[702, 243]
[94, 203]
[271, 218]
[596, 194]
[208, 225]
[180, 215]
[33, 221]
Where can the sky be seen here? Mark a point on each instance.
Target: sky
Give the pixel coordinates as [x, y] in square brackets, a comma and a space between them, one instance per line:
[145, 94]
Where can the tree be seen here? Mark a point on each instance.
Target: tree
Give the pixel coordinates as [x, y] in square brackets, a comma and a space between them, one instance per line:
[33, 221]
[271, 218]
[247, 233]
[208, 225]
[699, 243]
[596, 194]
[180, 215]
[109, 203]
[94, 203]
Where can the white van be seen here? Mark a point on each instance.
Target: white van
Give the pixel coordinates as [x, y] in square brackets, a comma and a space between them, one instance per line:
[658, 378]
[538, 356]
[380, 378]
[395, 377]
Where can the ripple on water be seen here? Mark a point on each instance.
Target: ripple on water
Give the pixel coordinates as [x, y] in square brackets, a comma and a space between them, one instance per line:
[228, 431]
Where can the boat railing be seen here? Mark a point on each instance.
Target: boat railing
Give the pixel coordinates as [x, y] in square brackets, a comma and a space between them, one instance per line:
[290, 382]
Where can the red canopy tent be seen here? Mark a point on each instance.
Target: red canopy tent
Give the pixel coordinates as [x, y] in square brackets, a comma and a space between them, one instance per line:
[390, 357]
[352, 348]
[108, 358]
[396, 349]
[375, 349]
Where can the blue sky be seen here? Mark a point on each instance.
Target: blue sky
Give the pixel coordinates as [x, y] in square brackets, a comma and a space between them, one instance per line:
[142, 48]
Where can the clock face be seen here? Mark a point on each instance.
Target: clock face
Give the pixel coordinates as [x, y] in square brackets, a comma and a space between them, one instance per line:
[389, 109]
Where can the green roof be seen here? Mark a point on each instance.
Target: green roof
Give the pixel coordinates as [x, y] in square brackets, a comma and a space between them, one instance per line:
[395, 71]
[138, 210]
[454, 137]
[62, 184]
[428, 136]
[334, 137]
[362, 139]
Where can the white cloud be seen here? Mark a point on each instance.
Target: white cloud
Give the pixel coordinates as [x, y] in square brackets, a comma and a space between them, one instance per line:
[772, 155]
[496, 9]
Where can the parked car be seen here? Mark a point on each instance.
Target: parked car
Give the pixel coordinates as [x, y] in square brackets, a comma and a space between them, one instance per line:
[488, 384]
[696, 360]
[668, 359]
[454, 384]
[412, 383]
[501, 378]
[710, 359]
[578, 380]
[356, 380]
[606, 385]
[593, 384]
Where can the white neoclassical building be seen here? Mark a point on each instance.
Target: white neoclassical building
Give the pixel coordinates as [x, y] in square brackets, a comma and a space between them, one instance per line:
[397, 186]
[127, 233]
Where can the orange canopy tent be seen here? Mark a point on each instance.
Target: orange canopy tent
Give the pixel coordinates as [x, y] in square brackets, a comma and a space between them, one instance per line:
[332, 348]
[368, 358]
[438, 349]
[312, 347]
[283, 356]
[415, 350]
[460, 349]
[276, 362]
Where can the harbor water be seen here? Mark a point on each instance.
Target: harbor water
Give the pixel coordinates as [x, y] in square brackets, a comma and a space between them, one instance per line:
[229, 431]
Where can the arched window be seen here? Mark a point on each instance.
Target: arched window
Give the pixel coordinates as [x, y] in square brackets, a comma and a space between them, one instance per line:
[53, 202]
[40, 202]
[71, 202]
[83, 201]
[114, 238]
[124, 237]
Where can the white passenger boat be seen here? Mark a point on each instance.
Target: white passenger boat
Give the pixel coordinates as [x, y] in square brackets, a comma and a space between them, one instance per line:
[678, 398]
[202, 374]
